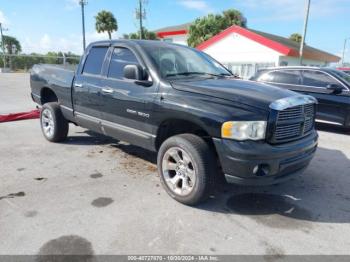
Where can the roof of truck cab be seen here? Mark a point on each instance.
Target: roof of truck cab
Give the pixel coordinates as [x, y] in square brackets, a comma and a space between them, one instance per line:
[135, 41]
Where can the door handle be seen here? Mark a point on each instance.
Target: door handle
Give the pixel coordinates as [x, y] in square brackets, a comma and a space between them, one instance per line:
[107, 90]
[78, 85]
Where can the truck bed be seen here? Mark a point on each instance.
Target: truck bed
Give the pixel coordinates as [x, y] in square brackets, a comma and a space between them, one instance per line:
[53, 77]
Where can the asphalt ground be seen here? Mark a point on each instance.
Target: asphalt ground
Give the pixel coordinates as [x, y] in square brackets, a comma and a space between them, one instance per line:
[96, 195]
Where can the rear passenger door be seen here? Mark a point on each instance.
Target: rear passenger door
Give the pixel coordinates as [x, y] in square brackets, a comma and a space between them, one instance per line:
[86, 88]
[125, 114]
[330, 107]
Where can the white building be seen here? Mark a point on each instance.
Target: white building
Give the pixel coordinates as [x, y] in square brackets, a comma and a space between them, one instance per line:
[244, 51]
[174, 34]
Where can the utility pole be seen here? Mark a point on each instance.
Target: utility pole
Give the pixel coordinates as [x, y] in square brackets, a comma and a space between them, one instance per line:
[344, 50]
[141, 14]
[301, 52]
[3, 44]
[83, 3]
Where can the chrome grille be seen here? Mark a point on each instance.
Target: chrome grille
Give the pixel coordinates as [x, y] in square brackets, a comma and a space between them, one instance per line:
[288, 131]
[293, 123]
[290, 113]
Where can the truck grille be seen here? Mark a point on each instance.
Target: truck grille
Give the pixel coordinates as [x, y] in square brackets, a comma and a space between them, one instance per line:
[293, 123]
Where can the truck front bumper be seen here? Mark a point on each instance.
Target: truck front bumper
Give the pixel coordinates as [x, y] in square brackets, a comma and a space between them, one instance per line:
[260, 163]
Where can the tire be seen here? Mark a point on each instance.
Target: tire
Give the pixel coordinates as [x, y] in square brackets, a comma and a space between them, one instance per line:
[186, 166]
[53, 124]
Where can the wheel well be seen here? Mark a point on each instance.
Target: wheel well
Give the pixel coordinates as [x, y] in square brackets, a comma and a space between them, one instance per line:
[174, 127]
[47, 96]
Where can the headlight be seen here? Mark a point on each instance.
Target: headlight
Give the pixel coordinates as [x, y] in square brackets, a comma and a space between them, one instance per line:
[244, 130]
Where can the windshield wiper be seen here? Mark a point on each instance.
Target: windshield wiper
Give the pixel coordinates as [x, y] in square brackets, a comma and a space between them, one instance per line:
[197, 73]
[186, 74]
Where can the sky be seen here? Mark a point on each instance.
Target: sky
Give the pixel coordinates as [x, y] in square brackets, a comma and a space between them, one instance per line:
[55, 25]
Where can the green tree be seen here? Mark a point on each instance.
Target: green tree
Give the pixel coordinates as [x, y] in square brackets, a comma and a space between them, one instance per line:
[147, 35]
[12, 45]
[72, 58]
[52, 58]
[295, 37]
[208, 26]
[234, 17]
[26, 61]
[106, 22]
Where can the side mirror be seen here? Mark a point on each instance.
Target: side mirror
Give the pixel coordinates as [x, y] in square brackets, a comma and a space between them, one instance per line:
[334, 89]
[134, 72]
[137, 73]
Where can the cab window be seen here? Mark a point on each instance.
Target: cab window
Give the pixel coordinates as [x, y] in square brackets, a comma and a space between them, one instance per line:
[120, 58]
[94, 60]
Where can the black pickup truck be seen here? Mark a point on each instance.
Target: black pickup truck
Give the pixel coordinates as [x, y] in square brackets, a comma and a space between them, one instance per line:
[183, 104]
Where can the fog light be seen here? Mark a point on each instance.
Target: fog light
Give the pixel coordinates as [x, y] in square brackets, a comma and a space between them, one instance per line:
[261, 170]
[265, 169]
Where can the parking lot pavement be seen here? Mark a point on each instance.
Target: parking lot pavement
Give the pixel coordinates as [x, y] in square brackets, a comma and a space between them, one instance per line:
[15, 93]
[96, 195]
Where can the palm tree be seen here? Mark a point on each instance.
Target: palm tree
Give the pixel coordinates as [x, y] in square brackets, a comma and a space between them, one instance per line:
[106, 22]
[148, 35]
[234, 17]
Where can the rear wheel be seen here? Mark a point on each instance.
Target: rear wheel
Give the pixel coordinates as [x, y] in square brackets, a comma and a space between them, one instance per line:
[53, 124]
[186, 168]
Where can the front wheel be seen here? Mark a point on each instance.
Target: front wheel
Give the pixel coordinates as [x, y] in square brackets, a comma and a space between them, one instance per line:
[53, 124]
[186, 168]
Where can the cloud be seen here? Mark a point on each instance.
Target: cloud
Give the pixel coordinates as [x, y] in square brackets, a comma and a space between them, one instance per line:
[72, 43]
[71, 4]
[3, 18]
[45, 42]
[199, 5]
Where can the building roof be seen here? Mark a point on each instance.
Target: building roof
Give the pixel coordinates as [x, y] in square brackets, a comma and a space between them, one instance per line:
[173, 30]
[185, 26]
[280, 44]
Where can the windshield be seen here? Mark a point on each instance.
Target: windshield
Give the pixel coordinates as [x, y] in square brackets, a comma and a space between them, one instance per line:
[181, 62]
[342, 75]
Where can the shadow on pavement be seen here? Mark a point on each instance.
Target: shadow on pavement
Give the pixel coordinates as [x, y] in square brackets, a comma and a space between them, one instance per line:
[88, 137]
[332, 128]
[137, 152]
[319, 195]
[92, 138]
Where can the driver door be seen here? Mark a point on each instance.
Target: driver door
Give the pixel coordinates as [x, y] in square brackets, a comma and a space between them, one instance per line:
[331, 107]
[126, 111]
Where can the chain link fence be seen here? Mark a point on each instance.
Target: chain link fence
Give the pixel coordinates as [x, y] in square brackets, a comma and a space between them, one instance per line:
[24, 62]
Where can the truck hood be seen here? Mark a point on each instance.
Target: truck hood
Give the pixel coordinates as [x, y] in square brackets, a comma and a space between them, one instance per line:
[250, 93]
